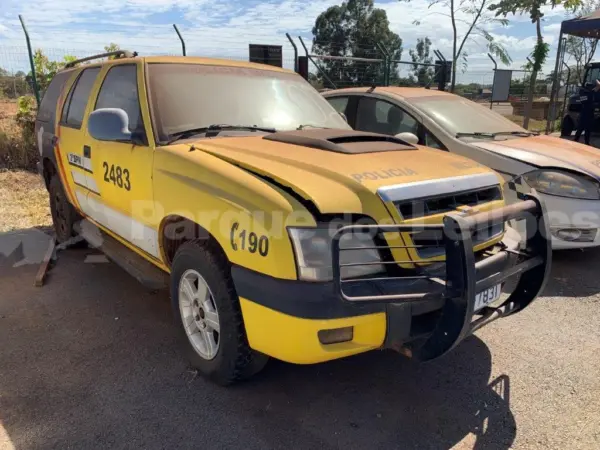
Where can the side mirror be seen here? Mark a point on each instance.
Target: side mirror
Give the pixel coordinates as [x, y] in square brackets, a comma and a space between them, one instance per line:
[344, 117]
[408, 137]
[109, 124]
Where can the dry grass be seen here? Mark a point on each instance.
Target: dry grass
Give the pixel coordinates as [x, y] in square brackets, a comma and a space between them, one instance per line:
[16, 150]
[534, 125]
[23, 201]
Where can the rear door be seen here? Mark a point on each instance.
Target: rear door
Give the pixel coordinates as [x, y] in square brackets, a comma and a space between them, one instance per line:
[123, 170]
[76, 162]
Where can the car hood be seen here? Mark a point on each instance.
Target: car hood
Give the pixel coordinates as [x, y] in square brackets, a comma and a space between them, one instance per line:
[548, 151]
[336, 182]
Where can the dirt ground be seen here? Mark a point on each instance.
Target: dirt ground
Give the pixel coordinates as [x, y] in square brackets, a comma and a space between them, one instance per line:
[23, 201]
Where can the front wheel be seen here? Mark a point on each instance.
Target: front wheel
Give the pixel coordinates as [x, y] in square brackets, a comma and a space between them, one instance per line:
[208, 314]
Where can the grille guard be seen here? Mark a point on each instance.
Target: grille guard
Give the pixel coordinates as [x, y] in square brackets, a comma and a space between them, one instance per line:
[464, 276]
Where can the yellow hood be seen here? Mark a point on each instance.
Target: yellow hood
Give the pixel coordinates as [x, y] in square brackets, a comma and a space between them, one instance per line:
[336, 182]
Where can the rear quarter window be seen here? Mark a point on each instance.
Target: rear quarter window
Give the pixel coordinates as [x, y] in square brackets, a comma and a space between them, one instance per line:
[47, 111]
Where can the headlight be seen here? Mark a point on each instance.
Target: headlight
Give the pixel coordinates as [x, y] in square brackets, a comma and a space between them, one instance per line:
[563, 184]
[313, 254]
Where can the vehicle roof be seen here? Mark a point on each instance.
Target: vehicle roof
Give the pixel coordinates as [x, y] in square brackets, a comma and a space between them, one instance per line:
[404, 92]
[192, 60]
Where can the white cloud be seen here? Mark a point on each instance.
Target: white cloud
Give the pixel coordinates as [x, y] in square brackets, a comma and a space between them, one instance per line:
[222, 27]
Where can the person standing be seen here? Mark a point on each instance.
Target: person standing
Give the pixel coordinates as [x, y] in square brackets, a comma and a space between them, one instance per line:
[586, 116]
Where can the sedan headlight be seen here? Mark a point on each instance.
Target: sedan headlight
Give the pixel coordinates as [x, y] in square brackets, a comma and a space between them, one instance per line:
[563, 184]
[314, 254]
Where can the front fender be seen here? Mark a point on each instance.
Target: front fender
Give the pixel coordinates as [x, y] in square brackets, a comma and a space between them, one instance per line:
[245, 214]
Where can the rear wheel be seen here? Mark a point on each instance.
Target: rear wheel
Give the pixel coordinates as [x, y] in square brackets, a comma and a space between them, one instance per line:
[63, 214]
[208, 315]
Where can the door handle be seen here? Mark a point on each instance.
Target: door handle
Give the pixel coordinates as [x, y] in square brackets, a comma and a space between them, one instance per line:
[87, 151]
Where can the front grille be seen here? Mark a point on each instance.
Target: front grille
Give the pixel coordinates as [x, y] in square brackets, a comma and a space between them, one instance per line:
[446, 203]
[431, 242]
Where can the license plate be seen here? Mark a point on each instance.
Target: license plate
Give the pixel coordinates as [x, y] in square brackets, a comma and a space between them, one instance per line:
[488, 296]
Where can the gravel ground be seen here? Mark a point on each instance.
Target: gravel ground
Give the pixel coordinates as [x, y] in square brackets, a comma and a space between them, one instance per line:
[91, 361]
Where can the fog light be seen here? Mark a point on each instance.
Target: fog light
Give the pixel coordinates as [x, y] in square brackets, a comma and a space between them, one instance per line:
[569, 234]
[575, 234]
[336, 335]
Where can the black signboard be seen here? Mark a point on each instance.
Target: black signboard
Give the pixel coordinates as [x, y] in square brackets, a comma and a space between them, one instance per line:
[266, 54]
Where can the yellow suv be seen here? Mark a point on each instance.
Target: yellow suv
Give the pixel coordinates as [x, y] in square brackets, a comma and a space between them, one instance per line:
[280, 231]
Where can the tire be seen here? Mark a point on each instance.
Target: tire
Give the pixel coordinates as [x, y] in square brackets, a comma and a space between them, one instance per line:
[222, 355]
[567, 127]
[63, 214]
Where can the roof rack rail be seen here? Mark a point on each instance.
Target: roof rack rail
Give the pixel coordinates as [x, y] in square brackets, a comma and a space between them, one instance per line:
[117, 53]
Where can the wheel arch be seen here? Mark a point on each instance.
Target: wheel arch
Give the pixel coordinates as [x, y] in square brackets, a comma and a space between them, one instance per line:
[48, 170]
[175, 230]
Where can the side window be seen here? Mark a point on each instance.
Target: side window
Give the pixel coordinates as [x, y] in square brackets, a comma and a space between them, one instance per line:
[76, 102]
[433, 142]
[379, 116]
[119, 90]
[339, 103]
[47, 111]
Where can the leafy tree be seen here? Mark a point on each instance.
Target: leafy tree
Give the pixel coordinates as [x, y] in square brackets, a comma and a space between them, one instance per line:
[478, 19]
[541, 49]
[112, 47]
[353, 29]
[46, 69]
[420, 55]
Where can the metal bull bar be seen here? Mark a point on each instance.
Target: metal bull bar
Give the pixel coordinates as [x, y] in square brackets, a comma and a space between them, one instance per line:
[462, 276]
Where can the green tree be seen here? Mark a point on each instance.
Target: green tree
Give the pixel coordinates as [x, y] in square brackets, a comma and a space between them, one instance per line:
[353, 29]
[46, 69]
[420, 55]
[478, 19]
[541, 49]
[112, 47]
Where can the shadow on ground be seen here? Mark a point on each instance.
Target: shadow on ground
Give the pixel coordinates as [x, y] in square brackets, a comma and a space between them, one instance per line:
[91, 360]
[574, 273]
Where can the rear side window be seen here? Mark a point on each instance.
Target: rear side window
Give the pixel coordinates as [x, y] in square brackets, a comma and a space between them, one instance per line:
[47, 111]
[75, 104]
[119, 90]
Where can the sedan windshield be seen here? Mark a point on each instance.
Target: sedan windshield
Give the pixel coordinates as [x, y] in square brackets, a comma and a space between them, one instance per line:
[194, 96]
[459, 115]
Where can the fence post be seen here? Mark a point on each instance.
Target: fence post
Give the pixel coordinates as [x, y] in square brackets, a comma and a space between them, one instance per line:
[31, 63]
[562, 112]
[180, 38]
[494, 80]
[295, 51]
[310, 58]
[387, 65]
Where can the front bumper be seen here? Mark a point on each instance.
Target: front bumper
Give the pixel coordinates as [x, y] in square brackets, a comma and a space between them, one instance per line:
[422, 314]
[573, 214]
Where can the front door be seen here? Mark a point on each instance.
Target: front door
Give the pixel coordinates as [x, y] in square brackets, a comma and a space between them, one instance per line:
[123, 170]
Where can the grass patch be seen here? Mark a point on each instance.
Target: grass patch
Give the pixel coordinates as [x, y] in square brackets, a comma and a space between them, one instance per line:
[534, 125]
[24, 201]
[16, 151]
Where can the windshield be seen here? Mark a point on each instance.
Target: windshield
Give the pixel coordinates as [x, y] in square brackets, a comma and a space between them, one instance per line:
[459, 115]
[591, 75]
[188, 96]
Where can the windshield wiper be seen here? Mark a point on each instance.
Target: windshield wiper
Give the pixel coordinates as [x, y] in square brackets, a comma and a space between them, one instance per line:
[498, 133]
[215, 129]
[310, 125]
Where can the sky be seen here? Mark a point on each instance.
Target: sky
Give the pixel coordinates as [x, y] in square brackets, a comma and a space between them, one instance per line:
[225, 28]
